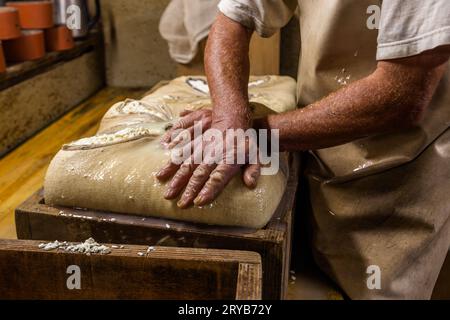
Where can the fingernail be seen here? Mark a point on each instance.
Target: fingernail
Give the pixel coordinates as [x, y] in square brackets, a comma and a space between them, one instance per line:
[199, 200]
[169, 194]
[182, 203]
[161, 175]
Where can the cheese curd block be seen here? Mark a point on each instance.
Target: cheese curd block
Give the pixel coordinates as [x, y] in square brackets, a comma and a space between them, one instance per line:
[116, 169]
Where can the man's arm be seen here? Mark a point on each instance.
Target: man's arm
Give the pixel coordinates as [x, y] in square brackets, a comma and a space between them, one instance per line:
[392, 98]
[227, 68]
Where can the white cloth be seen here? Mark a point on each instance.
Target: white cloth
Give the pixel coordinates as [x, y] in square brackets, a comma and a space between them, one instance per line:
[184, 24]
[410, 27]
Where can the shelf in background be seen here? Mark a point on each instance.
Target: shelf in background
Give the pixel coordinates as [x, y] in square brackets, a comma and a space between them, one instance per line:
[19, 72]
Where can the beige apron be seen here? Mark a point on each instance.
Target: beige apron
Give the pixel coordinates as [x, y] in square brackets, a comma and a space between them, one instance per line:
[382, 201]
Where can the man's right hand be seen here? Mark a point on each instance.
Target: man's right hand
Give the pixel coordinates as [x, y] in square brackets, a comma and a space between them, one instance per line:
[203, 182]
[227, 69]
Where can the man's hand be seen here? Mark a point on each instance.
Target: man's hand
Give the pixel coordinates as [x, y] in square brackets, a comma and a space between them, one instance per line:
[227, 69]
[188, 120]
[203, 182]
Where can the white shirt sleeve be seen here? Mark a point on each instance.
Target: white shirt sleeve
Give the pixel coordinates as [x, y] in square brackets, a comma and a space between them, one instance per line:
[263, 16]
[411, 27]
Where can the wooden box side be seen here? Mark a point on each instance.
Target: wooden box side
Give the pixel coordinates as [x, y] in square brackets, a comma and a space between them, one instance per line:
[36, 220]
[34, 208]
[28, 272]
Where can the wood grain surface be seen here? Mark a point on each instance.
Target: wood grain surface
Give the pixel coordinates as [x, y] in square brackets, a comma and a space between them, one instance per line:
[128, 272]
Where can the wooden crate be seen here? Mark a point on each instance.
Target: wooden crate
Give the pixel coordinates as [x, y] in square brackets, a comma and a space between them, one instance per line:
[38, 221]
[27, 272]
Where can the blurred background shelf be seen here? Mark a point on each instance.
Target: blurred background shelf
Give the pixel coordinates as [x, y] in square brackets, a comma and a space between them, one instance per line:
[33, 94]
[16, 73]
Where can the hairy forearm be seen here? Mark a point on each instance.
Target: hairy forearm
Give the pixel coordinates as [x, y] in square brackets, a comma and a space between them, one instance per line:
[392, 98]
[227, 69]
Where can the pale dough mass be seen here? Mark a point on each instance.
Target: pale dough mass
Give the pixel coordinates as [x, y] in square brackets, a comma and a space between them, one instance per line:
[115, 170]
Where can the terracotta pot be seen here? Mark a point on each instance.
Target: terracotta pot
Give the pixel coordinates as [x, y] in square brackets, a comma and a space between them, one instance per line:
[2, 59]
[9, 23]
[58, 38]
[30, 46]
[34, 14]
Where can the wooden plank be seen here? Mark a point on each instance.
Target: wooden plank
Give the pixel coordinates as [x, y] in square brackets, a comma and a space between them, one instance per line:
[28, 272]
[92, 220]
[249, 282]
[22, 171]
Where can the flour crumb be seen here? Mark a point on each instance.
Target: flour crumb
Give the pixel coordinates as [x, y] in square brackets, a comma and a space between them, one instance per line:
[87, 247]
[106, 139]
